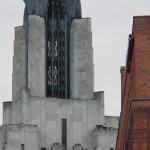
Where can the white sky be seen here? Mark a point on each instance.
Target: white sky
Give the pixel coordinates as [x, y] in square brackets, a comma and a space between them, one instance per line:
[111, 24]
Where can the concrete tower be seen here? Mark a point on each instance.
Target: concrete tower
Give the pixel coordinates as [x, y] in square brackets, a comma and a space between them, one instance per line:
[53, 105]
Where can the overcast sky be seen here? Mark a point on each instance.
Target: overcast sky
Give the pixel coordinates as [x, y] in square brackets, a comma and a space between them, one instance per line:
[111, 24]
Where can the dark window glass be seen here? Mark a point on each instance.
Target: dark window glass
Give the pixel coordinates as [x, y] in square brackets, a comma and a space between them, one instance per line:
[64, 133]
[43, 148]
[111, 148]
[22, 147]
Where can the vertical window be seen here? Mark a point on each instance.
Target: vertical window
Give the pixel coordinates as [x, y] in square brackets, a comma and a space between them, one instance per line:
[57, 50]
[111, 148]
[64, 133]
[4, 145]
[22, 147]
[96, 148]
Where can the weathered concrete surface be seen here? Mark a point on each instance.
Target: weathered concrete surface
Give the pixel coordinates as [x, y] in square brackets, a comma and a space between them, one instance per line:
[36, 56]
[12, 136]
[81, 59]
[104, 137]
[19, 76]
[47, 113]
[35, 120]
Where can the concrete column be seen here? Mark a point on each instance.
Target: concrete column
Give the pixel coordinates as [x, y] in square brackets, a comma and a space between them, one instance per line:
[81, 59]
[36, 56]
[19, 63]
[6, 108]
[99, 96]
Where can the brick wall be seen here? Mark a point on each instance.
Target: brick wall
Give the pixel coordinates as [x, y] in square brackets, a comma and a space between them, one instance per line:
[135, 84]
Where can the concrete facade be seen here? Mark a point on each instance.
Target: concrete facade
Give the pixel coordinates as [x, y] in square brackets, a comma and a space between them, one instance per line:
[14, 137]
[34, 119]
[19, 63]
[81, 58]
[36, 56]
[47, 113]
[105, 137]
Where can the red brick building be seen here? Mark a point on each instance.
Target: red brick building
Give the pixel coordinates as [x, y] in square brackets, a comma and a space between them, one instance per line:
[134, 127]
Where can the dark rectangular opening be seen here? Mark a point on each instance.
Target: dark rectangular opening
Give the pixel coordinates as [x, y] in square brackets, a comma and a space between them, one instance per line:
[42, 148]
[22, 147]
[111, 148]
[64, 133]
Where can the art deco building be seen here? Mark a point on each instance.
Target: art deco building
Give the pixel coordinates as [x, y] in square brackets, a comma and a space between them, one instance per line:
[134, 126]
[53, 105]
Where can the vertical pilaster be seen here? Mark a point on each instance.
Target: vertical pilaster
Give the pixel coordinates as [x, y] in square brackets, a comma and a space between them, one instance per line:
[36, 56]
[19, 63]
[81, 59]
[123, 76]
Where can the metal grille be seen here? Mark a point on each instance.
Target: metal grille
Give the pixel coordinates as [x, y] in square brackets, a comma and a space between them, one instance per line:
[56, 49]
